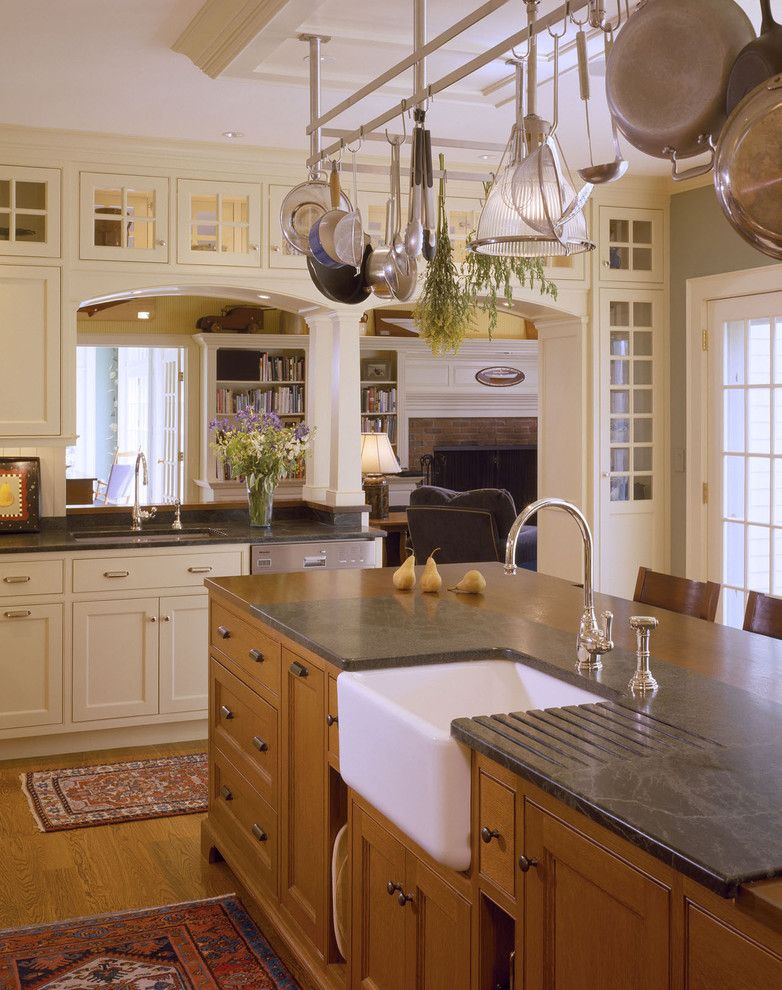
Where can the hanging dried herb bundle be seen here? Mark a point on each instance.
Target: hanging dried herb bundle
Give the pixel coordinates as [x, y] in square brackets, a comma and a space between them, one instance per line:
[444, 310]
[488, 277]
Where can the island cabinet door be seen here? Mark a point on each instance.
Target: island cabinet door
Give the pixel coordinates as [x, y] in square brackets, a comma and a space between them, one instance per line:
[592, 920]
[437, 936]
[377, 944]
[304, 796]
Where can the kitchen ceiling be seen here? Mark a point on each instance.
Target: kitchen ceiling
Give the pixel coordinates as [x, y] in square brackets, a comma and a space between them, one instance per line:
[94, 65]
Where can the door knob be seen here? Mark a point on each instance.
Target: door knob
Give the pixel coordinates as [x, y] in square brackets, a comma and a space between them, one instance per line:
[331, 720]
[525, 863]
[392, 887]
[404, 898]
[487, 834]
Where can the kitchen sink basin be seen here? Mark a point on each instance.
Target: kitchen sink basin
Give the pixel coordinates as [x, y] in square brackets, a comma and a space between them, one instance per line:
[129, 537]
[396, 749]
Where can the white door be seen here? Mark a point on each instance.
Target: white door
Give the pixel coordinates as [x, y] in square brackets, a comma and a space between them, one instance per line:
[115, 659]
[632, 422]
[744, 541]
[30, 665]
[184, 654]
[172, 452]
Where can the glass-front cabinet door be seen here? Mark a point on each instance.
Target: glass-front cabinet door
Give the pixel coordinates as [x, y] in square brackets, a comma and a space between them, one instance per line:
[123, 217]
[219, 223]
[631, 245]
[29, 211]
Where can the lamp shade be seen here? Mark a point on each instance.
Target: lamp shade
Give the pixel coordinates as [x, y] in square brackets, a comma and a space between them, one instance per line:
[377, 455]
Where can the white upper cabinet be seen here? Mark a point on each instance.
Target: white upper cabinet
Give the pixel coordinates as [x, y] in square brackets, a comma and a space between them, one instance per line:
[631, 245]
[219, 223]
[30, 366]
[123, 217]
[29, 211]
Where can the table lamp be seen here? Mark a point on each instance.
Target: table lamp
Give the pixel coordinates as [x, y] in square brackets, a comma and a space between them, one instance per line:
[377, 459]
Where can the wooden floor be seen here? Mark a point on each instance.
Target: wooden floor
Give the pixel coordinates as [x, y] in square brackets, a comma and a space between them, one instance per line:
[54, 876]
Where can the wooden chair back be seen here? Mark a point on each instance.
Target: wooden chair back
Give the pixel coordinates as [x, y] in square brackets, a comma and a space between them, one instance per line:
[677, 594]
[763, 615]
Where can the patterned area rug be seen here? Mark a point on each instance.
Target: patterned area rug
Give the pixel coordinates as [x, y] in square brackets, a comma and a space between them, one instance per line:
[200, 945]
[76, 797]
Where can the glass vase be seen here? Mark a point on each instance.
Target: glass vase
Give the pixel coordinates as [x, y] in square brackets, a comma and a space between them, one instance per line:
[260, 495]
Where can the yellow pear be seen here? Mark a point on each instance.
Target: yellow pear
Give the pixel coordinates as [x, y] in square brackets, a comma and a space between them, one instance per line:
[473, 583]
[404, 576]
[6, 495]
[431, 581]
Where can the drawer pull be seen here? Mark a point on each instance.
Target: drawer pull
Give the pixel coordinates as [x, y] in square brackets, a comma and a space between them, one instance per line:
[116, 574]
[18, 613]
[525, 864]
[259, 833]
[17, 579]
[260, 744]
[223, 632]
[257, 656]
[392, 888]
[298, 669]
[226, 794]
[199, 570]
[226, 712]
[487, 834]
[404, 898]
[331, 720]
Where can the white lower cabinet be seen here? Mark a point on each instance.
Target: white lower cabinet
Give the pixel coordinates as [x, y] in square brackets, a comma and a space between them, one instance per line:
[184, 655]
[115, 659]
[30, 665]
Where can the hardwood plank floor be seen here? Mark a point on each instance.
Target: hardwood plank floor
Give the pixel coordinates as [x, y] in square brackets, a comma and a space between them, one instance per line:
[54, 876]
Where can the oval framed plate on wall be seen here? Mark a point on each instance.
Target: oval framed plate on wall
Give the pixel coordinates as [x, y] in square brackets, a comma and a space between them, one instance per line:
[500, 377]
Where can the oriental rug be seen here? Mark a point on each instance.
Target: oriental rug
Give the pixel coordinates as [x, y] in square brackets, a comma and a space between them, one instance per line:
[198, 945]
[108, 794]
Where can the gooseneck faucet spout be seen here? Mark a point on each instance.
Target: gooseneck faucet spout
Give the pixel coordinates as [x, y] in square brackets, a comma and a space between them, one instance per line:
[592, 641]
[139, 515]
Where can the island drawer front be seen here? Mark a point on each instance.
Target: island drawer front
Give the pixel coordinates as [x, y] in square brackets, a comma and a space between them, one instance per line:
[496, 832]
[258, 656]
[240, 813]
[31, 577]
[244, 727]
[134, 572]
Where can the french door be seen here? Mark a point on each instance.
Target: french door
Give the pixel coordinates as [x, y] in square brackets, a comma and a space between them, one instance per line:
[744, 542]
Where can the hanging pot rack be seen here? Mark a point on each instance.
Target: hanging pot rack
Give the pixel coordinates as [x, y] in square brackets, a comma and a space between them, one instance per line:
[424, 91]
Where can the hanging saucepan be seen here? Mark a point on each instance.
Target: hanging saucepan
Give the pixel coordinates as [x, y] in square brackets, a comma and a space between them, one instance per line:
[302, 206]
[343, 284]
[667, 75]
[379, 271]
[322, 246]
[759, 61]
[747, 173]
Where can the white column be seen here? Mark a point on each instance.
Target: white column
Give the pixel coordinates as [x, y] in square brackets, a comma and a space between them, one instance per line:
[345, 480]
[318, 406]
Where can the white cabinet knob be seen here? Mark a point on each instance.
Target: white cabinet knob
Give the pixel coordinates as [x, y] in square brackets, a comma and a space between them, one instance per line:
[166, 618]
[254, 247]
[161, 243]
[152, 618]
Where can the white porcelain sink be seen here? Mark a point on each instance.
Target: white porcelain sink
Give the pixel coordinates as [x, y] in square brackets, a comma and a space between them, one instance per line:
[395, 745]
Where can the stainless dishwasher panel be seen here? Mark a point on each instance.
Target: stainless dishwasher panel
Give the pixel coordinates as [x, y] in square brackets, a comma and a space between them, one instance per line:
[281, 558]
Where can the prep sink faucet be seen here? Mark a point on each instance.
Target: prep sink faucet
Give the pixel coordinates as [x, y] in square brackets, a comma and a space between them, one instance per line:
[593, 641]
[140, 515]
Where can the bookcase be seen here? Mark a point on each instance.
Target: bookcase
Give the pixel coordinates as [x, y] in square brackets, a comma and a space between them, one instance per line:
[257, 372]
[380, 393]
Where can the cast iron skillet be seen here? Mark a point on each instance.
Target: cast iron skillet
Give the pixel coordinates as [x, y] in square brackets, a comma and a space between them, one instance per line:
[758, 61]
[343, 284]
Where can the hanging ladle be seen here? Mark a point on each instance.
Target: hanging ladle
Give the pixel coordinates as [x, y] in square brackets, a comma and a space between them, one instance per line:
[597, 175]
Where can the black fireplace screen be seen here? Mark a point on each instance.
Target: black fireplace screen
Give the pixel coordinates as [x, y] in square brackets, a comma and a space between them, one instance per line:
[464, 468]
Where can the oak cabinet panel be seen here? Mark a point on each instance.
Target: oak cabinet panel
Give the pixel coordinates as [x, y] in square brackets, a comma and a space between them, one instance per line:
[497, 816]
[592, 920]
[303, 852]
[30, 665]
[720, 956]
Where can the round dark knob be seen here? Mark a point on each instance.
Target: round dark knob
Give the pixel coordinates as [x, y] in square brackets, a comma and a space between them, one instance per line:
[331, 720]
[525, 864]
[392, 887]
[487, 834]
[404, 898]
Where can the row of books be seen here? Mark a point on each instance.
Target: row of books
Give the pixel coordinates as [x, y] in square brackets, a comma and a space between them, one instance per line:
[285, 400]
[370, 425]
[379, 400]
[281, 369]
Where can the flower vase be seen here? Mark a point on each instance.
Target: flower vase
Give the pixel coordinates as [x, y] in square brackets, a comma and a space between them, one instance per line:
[260, 494]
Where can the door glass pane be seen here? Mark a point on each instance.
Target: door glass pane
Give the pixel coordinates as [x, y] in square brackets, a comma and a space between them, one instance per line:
[5, 193]
[642, 314]
[31, 195]
[733, 603]
[620, 401]
[619, 313]
[734, 353]
[108, 233]
[620, 372]
[642, 430]
[758, 489]
[620, 342]
[642, 459]
[777, 491]
[733, 554]
[777, 351]
[734, 487]
[777, 563]
[619, 258]
[734, 419]
[141, 202]
[642, 343]
[234, 209]
[642, 231]
[234, 239]
[141, 234]
[204, 237]
[642, 372]
[642, 488]
[5, 226]
[203, 207]
[620, 489]
[31, 227]
[620, 459]
[777, 421]
[642, 259]
[759, 352]
[620, 430]
[759, 420]
[108, 200]
[758, 549]
[619, 231]
[642, 400]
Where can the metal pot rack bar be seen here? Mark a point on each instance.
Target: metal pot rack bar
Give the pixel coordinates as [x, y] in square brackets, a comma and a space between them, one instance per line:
[423, 91]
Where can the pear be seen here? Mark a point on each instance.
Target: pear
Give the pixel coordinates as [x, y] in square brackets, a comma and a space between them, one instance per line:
[431, 581]
[473, 583]
[404, 576]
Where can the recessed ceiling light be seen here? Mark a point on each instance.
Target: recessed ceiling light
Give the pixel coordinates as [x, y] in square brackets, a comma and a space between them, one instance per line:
[232, 135]
[262, 296]
[486, 158]
[143, 314]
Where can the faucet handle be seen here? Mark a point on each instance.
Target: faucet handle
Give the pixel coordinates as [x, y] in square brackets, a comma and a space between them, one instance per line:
[609, 629]
[177, 523]
[642, 680]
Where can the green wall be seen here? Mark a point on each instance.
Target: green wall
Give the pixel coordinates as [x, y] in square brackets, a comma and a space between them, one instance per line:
[702, 243]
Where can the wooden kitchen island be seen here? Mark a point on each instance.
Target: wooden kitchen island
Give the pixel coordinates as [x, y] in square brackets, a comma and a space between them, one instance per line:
[562, 897]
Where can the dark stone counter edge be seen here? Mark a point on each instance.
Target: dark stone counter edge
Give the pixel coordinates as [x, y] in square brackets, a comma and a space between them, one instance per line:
[721, 885]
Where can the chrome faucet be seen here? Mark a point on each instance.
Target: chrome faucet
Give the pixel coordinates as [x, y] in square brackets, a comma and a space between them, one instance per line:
[592, 641]
[140, 515]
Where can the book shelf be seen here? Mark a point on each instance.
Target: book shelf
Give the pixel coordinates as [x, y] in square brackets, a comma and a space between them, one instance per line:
[380, 393]
[255, 372]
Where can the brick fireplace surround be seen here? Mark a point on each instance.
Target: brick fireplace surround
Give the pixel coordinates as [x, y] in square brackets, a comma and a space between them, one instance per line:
[424, 434]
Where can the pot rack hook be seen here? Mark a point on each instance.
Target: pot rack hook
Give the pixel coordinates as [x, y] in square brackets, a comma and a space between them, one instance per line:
[565, 19]
[399, 140]
[574, 20]
[355, 151]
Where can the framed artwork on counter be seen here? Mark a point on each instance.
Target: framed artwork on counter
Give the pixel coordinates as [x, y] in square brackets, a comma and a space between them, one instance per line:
[20, 494]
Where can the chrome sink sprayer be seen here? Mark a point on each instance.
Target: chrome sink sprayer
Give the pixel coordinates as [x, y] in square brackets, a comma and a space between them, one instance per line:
[592, 641]
[138, 514]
